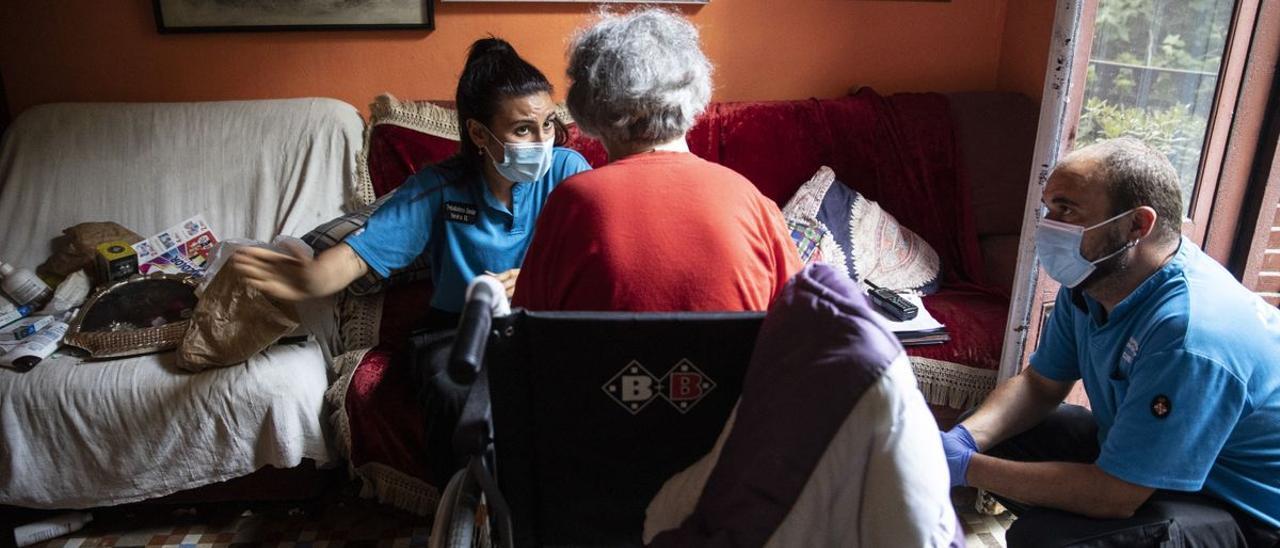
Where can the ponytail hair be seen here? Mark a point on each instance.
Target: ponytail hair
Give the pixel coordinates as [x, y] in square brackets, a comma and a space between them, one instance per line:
[494, 72]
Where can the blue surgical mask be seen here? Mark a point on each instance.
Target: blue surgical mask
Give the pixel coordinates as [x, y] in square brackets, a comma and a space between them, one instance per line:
[1058, 248]
[523, 162]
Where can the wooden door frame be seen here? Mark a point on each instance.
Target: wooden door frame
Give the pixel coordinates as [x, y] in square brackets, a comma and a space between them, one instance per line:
[1250, 176]
[1060, 106]
[1228, 125]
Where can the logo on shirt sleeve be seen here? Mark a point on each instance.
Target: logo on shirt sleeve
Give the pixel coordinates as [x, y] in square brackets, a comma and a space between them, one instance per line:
[459, 212]
[1130, 351]
[1161, 406]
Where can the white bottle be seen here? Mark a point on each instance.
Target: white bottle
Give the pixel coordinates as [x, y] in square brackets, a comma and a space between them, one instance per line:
[22, 285]
[50, 528]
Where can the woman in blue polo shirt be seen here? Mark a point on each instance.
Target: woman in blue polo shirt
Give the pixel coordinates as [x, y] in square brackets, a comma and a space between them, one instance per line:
[472, 213]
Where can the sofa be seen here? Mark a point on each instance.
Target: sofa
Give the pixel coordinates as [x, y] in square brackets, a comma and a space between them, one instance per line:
[78, 433]
[952, 168]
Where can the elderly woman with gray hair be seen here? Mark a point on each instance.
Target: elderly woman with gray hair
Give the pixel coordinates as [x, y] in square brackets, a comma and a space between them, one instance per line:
[657, 229]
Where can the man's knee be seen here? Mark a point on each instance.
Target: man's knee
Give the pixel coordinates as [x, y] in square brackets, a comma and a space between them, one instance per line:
[1042, 528]
[1169, 517]
[1068, 434]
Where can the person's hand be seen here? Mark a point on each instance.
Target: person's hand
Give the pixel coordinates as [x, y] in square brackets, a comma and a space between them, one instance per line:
[959, 447]
[279, 276]
[508, 280]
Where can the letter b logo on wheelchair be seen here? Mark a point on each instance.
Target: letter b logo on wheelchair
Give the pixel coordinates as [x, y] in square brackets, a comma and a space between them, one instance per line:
[635, 387]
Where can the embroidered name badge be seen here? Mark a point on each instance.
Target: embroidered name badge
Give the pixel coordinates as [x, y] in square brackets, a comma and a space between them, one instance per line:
[459, 212]
[1161, 406]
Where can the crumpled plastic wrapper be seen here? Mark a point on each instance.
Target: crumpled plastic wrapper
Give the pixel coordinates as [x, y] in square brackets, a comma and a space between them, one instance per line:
[232, 321]
[69, 295]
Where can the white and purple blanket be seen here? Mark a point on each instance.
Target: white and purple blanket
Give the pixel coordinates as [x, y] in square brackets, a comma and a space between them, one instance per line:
[831, 444]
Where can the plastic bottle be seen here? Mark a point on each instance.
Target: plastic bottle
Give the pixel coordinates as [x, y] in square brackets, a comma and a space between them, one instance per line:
[50, 528]
[23, 286]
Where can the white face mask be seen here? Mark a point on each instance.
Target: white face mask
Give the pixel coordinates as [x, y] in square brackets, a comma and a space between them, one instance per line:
[1058, 248]
[523, 162]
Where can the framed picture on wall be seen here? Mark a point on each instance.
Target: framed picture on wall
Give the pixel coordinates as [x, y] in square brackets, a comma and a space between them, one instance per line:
[272, 15]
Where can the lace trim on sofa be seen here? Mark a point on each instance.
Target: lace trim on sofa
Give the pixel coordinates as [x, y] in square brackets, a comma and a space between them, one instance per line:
[359, 318]
[390, 486]
[418, 116]
[951, 384]
[336, 396]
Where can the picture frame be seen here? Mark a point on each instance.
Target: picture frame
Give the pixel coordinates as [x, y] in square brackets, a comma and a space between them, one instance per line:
[193, 16]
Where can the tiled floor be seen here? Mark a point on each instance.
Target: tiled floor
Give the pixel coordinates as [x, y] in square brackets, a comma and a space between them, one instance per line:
[980, 530]
[340, 521]
[345, 522]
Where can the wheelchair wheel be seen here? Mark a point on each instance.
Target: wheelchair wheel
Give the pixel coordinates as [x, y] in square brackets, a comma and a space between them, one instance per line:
[462, 518]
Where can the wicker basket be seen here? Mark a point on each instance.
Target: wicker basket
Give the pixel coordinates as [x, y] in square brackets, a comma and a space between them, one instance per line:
[98, 327]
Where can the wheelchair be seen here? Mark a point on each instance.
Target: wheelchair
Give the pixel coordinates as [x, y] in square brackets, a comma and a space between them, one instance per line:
[568, 423]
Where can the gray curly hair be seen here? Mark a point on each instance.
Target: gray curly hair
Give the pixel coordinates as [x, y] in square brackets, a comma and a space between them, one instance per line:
[638, 78]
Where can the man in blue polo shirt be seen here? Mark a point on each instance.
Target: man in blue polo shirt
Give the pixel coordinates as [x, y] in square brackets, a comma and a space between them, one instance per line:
[1180, 362]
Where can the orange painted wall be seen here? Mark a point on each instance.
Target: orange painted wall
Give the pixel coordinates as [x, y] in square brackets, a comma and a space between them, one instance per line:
[1024, 52]
[84, 50]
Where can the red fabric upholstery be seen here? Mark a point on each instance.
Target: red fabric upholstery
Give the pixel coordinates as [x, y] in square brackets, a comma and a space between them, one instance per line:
[395, 153]
[776, 145]
[899, 151]
[975, 320]
[387, 424]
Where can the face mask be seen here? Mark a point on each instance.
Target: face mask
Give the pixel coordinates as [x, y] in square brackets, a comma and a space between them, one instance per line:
[1058, 248]
[523, 162]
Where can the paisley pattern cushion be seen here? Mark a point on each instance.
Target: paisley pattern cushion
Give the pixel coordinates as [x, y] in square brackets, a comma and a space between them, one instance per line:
[860, 238]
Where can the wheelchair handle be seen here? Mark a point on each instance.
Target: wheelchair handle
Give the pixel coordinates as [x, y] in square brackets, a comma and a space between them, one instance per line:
[485, 298]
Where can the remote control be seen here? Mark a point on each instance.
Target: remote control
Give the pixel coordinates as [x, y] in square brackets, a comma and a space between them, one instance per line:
[891, 304]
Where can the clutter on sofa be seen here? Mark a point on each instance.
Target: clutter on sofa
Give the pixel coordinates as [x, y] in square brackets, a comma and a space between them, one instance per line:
[142, 427]
[77, 248]
[233, 321]
[180, 249]
[135, 316]
[33, 315]
[909, 153]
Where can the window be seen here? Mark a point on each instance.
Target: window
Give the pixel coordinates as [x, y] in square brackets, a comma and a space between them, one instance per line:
[1153, 74]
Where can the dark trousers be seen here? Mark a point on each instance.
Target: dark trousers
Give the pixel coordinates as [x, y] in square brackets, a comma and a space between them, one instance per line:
[1168, 518]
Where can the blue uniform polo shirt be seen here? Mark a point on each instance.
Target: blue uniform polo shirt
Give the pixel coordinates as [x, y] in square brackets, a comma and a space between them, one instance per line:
[1184, 380]
[462, 226]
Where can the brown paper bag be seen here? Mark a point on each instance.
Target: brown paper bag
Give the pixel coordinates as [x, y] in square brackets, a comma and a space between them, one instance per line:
[231, 323]
[76, 247]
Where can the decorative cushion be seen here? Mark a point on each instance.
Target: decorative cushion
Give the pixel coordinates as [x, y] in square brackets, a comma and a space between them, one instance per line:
[329, 234]
[859, 238]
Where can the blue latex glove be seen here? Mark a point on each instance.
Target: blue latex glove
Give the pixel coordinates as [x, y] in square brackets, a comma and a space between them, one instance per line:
[959, 447]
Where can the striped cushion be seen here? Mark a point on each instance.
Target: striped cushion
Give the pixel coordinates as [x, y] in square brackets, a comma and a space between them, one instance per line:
[331, 233]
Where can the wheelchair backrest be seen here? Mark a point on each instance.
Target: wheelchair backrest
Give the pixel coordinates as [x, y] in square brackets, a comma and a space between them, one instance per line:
[592, 412]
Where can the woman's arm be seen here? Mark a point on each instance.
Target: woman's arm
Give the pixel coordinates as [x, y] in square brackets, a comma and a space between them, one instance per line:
[296, 277]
